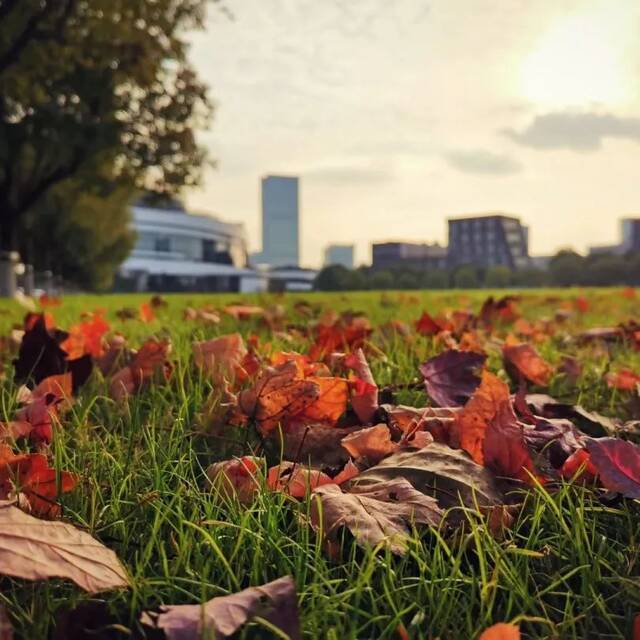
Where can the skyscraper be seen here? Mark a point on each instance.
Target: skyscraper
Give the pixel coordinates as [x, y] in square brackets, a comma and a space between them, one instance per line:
[341, 254]
[280, 221]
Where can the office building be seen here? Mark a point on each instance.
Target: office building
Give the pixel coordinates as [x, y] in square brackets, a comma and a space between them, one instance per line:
[487, 241]
[341, 254]
[387, 255]
[630, 231]
[280, 222]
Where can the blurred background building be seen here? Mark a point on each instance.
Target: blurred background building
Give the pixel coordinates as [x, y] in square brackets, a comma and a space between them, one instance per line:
[630, 232]
[340, 254]
[488, 241]
[280, 222]
[407, 254]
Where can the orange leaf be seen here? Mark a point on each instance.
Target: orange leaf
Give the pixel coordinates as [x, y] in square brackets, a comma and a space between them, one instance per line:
[522, 360]
[488, 430]
[625, 379]
[146, 313]
[501, 631]
[221, 358]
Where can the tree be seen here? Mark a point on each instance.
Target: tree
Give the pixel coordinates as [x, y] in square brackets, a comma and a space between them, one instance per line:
[498, 277]
[86, 84]
[466, 278]
[567, 268]
[436, 279]
[381, 280]
[332, 278]
[81, 234]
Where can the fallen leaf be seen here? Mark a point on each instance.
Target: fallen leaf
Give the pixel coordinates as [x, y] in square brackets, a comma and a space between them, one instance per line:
[221, 358]
[372, 443]
[375, 514]
[427, 326]
[364, 396]
[237, 477]
[451, 377]
[296, 480]
[487, 428]
[446, 474]
[243, 311]
[618, 465]
[523, 361]
[501, 631]
[146, 312]
[225, 615]
[578, 466]
[624, 379]
[35, 549]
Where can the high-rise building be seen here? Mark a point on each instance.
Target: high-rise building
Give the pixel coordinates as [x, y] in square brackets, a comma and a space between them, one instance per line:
[280, 222]
[630, 228]
[341, 254]
[487, 241]
[408, 254]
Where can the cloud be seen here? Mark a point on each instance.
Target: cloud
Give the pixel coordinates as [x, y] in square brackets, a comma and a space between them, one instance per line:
[578, 131]
[480, 161]
[347, 174]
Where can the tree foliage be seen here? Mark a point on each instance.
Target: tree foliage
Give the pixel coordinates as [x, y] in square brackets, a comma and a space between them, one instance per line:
[88, 84]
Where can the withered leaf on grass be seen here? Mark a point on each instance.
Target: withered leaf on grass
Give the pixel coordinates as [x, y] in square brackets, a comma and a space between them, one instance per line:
[446, 474]
[364, 398]
[451, 377]
[221, 358]
[523, 361]
[487, 428]
[375, 513]
[149, 362]
[40, 549]
[223, 616]
[618, 465]
[282, 395]
[501, 631]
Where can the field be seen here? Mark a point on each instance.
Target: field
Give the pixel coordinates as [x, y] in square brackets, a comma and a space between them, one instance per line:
[567, 566]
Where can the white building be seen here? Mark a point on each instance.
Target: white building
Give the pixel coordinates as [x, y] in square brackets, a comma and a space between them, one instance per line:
[178, 251]
[341, 254]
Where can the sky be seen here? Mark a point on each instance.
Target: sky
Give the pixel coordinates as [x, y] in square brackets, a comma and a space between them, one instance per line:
[397, 114]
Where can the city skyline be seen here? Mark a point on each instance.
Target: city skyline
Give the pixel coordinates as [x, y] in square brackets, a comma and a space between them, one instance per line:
[398, 117]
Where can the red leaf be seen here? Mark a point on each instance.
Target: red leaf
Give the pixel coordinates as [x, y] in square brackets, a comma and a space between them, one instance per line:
[625, 379]
[618, 465]
[146, 312]
[364, 398]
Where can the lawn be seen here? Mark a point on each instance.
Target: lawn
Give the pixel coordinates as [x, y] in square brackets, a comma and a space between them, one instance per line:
[566, 567]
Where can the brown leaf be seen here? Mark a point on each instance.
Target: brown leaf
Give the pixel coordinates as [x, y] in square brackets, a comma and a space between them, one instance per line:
[375, 513]
[39, 549]
[221, 358]
[446, 474]
[223, 616]
[372, 443]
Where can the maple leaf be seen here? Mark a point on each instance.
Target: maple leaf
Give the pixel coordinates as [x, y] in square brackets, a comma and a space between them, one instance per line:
[617, 463]
[29, 475]
[221, 358]
[282, 396]
[488, 430]
[35, 549]
[451, 377]
[225, 615]
[501, 631]
[523, 361]
[344, 333]
[375, 514]
[86, 337]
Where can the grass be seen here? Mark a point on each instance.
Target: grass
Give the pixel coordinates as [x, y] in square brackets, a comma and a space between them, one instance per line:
[568, 568]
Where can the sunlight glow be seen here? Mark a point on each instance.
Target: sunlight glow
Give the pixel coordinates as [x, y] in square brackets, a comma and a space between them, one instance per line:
[580, 60]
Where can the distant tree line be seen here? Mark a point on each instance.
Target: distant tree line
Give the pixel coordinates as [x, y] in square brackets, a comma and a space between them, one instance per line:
[566, 268]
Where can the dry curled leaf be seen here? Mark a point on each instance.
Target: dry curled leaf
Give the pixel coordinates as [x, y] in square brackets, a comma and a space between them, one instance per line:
[376, 513]
[40, 549]
[223, 616]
